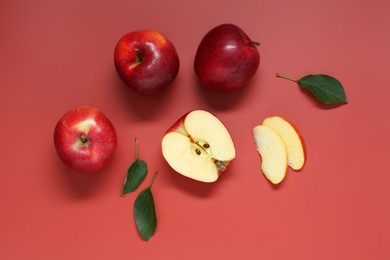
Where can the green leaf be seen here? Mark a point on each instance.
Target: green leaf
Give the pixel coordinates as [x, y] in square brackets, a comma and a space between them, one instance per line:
[135, 175]
[326, 89]
[145, 213]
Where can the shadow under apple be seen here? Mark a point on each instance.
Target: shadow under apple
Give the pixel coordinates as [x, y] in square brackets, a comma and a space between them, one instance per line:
[145, 107]
[82, 184]
[222, 99]
[193, 187]
[278, 186]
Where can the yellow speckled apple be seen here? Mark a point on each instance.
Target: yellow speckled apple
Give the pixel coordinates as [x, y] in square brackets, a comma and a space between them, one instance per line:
[85, 139]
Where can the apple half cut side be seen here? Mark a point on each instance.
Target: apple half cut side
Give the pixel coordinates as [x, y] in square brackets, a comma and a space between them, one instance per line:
[198, 146]
[292, 138]
[273, 153]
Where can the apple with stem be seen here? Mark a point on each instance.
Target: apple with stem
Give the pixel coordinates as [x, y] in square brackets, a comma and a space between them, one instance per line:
[198, 146]
[146, 61]
[226, 58]
[280, 145]
[85, 139]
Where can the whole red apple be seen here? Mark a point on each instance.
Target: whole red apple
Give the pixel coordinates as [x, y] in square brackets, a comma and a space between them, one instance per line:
[226, 58]
[85, 139]
[146, 61]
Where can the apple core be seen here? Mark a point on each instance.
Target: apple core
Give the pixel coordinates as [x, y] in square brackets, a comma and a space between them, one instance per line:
[83, 138]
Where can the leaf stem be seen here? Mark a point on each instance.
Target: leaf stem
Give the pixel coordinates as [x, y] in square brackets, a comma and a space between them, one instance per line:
[285, 77]
[152, 181]
[139, 58]
[136, 148]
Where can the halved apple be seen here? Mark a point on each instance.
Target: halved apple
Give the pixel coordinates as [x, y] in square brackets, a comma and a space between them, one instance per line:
[291, 138]
[198, 146]
[273, 153]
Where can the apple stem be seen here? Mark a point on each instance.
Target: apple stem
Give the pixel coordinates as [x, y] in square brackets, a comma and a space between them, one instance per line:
[136, 148]
[254, 43]
[152, 181]
[139, 56]
[284, 77]
[83, 138]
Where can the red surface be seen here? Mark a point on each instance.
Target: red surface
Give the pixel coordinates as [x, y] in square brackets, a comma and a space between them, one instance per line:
[56, 55]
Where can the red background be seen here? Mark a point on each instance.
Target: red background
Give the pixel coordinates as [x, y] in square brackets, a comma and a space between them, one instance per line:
[59, 54]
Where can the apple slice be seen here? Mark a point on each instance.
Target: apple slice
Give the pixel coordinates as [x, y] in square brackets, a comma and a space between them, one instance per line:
[273, 153]
[198, 146]
[291, 138]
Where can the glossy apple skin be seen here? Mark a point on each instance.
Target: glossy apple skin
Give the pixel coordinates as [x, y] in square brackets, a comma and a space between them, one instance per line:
[178, 126]
[146, 61]
[85, 139]
[226, 58]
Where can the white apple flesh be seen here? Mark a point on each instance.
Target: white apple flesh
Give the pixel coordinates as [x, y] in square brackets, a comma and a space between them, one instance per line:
[291, 138]
[198, 146]
[273, 153]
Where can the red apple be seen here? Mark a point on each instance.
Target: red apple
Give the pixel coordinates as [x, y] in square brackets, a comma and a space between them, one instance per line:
[226, 58]
[146, 61]
[85, 139]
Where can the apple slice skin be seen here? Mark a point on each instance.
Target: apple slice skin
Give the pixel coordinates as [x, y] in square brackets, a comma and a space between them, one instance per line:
[204, 160]
[281, 125]
[273, 153]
